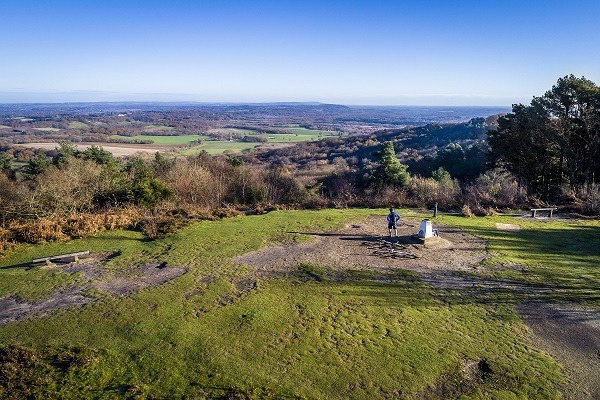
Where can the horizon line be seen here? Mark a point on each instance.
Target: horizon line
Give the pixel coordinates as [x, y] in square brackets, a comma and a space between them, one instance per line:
[225, 103]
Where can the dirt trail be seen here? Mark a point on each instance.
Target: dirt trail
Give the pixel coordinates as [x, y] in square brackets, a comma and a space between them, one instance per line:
[570, 334]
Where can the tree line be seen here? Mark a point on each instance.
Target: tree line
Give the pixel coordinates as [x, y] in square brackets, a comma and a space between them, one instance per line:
[553, 143]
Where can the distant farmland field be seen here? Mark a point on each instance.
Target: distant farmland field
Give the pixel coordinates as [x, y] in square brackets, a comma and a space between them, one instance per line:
[77, 125]
[117, 149]
[219, 147]
[157, 128]
[297, 134]
[47, 129]
[162, 143]
[160, 139]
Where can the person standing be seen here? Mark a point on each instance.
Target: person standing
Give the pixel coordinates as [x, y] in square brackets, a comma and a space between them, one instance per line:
[393, 217]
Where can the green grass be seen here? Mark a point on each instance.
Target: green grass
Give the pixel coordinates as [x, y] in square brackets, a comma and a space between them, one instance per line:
[77, 125]
[219, 147]
[361, 337]
[560, 254]
[160, 139]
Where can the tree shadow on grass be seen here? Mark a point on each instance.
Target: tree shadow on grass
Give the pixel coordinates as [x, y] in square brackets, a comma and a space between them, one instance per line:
[461, 288]
[546, 244]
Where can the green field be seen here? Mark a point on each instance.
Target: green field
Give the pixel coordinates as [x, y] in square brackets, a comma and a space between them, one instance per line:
[157, 128]
[219, 147]
[126, 123]
[77, 125]
[209, 145]
[160, 139]
[225, 146]
[296, 130]
[297, 134]
[298, 336]
[234, 131]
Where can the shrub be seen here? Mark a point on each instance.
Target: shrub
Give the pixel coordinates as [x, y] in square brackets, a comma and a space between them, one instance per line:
[589, 199]
[121, 219]
[425, 192]
[496, 188]
[78, 226]
[192, 183]
[72, 188]
[44, 230]
[6, 241]
[282, 188]
[465, 211]
[150, 191]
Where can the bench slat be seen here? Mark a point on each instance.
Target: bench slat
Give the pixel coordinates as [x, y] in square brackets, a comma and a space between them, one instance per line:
[59, 256]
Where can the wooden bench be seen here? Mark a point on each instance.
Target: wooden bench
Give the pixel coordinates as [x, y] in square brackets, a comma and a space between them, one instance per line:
[60, 257]
[548, 210]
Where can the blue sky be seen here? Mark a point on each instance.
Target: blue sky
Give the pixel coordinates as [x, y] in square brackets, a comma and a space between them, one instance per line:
[348, 52]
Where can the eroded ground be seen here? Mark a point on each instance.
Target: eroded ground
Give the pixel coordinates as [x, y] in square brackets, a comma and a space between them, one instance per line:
[95, 276]
[366, 246]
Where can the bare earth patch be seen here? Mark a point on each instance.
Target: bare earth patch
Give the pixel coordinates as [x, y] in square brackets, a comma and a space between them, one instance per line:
[123, 283]
[13, 309]
[364, 247]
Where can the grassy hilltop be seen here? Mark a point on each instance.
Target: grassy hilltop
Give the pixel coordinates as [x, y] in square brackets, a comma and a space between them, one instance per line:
[221, 331]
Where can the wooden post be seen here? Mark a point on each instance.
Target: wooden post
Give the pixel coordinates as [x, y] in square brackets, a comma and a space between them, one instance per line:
[435, 211]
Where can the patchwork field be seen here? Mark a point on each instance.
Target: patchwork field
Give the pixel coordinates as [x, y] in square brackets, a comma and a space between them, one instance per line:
[307, 304]
[163, 143]
[298, 134]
